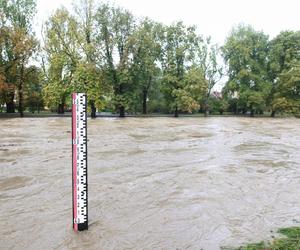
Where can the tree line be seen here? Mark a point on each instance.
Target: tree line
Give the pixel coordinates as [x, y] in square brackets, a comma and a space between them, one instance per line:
[127, 64]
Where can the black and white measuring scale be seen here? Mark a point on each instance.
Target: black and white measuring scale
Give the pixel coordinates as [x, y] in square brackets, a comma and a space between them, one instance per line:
[79, 162]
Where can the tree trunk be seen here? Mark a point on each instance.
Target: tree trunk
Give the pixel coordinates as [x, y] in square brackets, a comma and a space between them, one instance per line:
[21, 109]
[60, 109]
[122, 112]
[119, 91]
[10, 105]
[252, 113]
[176, 112]
[205, 107]
[93, 108]
[145, 95]
[273, 113]
[221, 112]
[236, 110]
[61, 106]
[20, 90]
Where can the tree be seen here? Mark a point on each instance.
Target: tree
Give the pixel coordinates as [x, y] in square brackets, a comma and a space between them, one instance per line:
[208, 56]
[90, 80]
[115, 29]
[19, 46]
[283, 59]
[217, 103]
[287, 97]
[85, 13]
[146, 52]
[246, 53]
[7, 89]
[195, 88]
[7, 67]
[33, 98]
[25, 46]
[62, 56]
[178, 51]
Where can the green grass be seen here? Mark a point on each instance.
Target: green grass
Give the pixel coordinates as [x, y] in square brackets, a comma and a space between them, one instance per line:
[289, 241]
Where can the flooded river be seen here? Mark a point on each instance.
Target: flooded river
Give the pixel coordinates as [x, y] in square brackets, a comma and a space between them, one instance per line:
[154, 183]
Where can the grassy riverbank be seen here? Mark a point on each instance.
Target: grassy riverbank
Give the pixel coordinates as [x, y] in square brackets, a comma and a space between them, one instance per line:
[290, 240]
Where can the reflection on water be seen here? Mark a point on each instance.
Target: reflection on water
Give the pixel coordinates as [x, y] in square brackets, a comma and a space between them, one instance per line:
[154, 183]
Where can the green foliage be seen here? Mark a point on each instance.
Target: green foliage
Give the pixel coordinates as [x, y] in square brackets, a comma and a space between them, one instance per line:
[246, 53]
[184, 101]
[158, 105]
[194, 90]
[86, 35]
[18, 13]
[291, 241]
[208, 59]
[115, 29]
[280, 104]
[218, 105]
[17, 47]
[146, 52]
[289, 89]
[124, 100]
[89, 79]
[62, 56]
[196, 83]
[284, 49]
[54, 94]
[178, 46]
[126, 63]
[33, 89]
[251, 100]
[284, 72]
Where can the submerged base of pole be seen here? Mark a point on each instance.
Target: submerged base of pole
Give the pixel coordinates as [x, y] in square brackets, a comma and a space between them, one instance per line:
[79, 162]
[82, 226]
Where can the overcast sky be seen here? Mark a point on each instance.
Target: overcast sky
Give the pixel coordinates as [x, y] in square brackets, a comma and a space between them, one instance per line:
[212, 17]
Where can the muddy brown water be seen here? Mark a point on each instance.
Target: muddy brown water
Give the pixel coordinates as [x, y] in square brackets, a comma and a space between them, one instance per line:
[154, 183]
